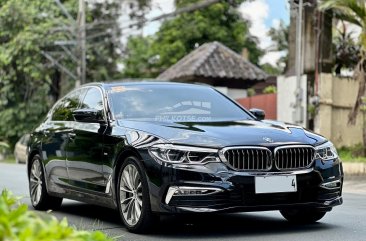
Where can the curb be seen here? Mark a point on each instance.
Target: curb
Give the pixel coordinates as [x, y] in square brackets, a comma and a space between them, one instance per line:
[354, 168]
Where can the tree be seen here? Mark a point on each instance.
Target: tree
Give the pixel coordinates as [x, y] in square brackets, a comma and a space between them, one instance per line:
[30, 83]
[346, 50]
[179, 36]
[104, 50]
[279, 36]
[353, 11]
[271, 70]
[24, 81]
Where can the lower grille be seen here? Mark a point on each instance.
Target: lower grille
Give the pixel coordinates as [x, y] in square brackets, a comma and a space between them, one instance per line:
[294, 157]
[247, 158]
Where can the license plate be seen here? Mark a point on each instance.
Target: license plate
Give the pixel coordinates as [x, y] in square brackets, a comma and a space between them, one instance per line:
[275, 184]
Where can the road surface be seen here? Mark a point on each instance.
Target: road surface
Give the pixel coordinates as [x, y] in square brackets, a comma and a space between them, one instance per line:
[347, 222]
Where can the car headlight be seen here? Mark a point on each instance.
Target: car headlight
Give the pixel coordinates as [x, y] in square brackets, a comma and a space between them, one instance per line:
[168, 153]
[326, 151]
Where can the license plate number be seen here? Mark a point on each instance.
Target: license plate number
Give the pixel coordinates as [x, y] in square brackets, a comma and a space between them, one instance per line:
[275, 184]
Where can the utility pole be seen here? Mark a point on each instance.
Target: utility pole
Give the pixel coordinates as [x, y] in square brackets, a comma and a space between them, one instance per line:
[78, 29]
[299, 116]
[81, 44]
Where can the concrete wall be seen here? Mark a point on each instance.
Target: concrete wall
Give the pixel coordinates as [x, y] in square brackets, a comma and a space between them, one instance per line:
[337, 96]
[286, 99]
[232, 93]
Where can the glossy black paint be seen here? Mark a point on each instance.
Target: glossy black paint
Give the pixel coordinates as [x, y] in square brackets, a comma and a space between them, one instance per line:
[82, 159]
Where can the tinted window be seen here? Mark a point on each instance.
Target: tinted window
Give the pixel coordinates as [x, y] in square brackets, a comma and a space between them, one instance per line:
[93, 100]
[63, 110]
[180, 103]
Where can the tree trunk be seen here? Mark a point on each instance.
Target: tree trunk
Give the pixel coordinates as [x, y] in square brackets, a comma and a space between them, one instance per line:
[360, 76]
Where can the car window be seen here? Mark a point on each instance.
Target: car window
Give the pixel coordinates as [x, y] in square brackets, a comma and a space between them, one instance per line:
[173, 103]
[92, 100]
[63, 110]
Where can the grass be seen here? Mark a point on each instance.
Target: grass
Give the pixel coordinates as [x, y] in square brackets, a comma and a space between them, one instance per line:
[17, 223]
[351, 155]
[9, 159]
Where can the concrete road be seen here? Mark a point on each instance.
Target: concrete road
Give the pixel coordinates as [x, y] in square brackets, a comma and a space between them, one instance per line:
[347, 222]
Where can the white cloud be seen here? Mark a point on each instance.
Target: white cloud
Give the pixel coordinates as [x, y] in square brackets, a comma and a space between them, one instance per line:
[257, 12]
[158, 7]
[276, 23]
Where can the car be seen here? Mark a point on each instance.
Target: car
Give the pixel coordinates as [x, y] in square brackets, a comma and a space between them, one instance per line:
[149, 149]
[20, 150]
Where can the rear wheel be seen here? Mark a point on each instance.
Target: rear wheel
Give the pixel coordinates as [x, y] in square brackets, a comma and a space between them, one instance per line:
[37, 188]
[302, 216]
[133, 197]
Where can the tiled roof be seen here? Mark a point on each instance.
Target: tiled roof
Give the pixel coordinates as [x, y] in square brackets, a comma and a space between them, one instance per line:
[213, 60]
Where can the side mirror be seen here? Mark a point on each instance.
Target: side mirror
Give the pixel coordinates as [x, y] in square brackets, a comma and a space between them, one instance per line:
[88, 115]
[258, 113]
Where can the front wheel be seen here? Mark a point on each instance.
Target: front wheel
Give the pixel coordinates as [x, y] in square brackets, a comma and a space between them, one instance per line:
[41, 200]
[305, 216]
[133, 197]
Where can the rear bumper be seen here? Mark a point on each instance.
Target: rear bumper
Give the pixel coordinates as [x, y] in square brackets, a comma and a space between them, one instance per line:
[319, 187]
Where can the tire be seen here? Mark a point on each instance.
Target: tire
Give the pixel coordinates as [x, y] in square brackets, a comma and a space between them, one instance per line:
[40, 199]
[305, 216]
[133, 197]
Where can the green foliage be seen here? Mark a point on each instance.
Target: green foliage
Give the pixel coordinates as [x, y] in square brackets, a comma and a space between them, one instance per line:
[280, 38]
[353, 11]
[352, 154]
[19, 224]
[270, 90]
[24, 82]
[4, 147]
[346, 50]
[139, 58]
[103, 51]
[271, 70]
[29, 83]
[251, 92]
[179, 36]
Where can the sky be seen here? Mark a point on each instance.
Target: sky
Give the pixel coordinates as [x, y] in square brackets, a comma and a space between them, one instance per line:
[263, 14]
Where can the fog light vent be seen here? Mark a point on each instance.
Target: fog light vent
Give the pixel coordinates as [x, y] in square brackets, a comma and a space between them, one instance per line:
[331, 185]
[190, 191]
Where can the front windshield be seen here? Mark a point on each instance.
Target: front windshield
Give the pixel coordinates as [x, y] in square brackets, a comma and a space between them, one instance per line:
[173, 103]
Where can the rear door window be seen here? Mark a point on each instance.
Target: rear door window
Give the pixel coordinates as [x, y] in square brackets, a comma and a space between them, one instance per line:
[63, 110]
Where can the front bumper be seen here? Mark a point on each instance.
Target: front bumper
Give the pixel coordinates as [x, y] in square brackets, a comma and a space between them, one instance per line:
[318, 187]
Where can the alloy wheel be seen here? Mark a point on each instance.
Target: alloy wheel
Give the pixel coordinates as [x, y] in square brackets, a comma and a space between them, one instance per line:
[36, 182]
[131, 194]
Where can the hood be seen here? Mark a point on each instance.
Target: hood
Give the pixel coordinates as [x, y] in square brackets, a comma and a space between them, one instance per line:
[228, 133]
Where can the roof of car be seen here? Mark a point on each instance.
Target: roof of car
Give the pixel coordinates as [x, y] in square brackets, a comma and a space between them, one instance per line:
[140, 83]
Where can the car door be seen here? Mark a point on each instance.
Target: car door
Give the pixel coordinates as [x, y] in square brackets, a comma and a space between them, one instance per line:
[84, 151]
[55, 136]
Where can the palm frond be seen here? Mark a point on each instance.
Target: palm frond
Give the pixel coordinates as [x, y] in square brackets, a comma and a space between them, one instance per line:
[353, 11]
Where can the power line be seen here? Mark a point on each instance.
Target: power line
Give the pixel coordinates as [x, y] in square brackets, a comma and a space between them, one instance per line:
[64, 11]
[78, 28]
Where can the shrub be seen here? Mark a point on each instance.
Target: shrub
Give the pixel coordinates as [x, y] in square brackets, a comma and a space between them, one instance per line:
[270, 90]
[354, 153]
[251, 92]
[17, 223]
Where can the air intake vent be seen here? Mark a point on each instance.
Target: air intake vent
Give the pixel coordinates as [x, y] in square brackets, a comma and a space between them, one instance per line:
[247, 158]
[294, 157]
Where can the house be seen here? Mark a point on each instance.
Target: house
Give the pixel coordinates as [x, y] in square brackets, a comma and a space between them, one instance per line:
[215, 64]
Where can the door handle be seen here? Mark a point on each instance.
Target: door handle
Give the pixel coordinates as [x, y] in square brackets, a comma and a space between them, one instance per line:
[72, 135]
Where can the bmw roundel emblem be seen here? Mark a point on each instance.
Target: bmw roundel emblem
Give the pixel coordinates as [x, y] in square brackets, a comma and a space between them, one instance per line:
[267, 139]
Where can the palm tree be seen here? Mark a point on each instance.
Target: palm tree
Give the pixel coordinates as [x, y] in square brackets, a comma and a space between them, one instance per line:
[353, 11]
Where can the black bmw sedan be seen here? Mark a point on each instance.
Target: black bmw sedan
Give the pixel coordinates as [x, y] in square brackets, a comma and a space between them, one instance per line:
[147, 149]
